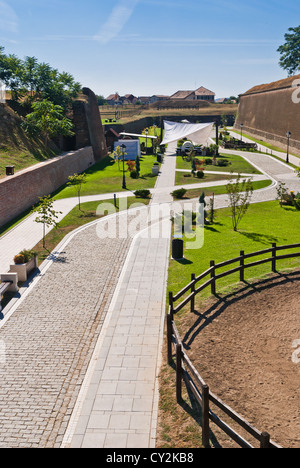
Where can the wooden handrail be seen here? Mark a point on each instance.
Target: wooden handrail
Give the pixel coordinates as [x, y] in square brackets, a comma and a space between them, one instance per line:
[187, 371]
[241, 268]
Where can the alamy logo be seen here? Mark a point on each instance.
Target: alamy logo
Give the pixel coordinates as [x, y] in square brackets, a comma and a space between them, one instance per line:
[296, 93]
[296, 354]
[2, 352]
[153, 221]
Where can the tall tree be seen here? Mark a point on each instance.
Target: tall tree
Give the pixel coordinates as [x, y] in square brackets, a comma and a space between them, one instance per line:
[290, 51]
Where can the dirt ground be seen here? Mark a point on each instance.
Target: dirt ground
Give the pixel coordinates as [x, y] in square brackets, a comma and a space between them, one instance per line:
[246, 346]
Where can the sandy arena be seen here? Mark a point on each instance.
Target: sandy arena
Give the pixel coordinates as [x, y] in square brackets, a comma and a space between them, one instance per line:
[246, 346]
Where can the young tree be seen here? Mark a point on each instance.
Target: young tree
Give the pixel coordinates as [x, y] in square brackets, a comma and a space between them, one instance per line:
[46, 215]
[137, 165]
[77, 181]
[290, 51]
[239, 198]
[48, 120]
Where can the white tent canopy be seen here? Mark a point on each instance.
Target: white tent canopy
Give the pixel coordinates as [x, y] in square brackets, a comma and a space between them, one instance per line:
[197, 133]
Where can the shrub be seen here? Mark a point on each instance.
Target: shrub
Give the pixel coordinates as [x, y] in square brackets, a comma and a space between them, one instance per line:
[179, 193]
[223, 162]
[134, 174]
[208, 161]
[200, 174]
[142, 193]
[28, 254]
[24, 256]
[19, 259]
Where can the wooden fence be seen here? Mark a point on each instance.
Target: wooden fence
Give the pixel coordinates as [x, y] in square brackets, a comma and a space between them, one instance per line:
[184, 367]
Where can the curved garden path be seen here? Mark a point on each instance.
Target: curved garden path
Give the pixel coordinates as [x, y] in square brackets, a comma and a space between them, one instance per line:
[81, 348]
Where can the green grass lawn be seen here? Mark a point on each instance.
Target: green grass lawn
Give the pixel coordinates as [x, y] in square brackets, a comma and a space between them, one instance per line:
[181, 180]
[221, 189]
[263, 224]
[106, 177]
[237, 164]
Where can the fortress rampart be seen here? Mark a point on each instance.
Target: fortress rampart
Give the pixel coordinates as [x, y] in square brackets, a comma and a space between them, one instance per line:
[269, 111]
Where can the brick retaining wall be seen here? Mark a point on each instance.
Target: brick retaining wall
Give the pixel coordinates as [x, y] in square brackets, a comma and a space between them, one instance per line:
[19, 192]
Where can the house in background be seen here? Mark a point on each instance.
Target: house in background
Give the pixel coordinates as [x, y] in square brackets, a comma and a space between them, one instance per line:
[200, 94]
[113, 99]
[158, 97]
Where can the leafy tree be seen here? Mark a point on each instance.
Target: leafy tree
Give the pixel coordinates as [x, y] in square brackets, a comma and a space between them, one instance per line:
[39, 79]
[48, 120]
[77, 181]
[290, 51]
[239, 198]
[46, 215]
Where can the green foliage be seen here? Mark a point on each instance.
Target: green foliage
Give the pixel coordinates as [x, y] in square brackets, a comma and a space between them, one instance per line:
[137, 165]
[37, 80]
[47, 119]
[290, 51]
[46, 215]
[134, 174]
[142, 193]
[28, 254]
[179, 193]
[239, 199]
[77, 181]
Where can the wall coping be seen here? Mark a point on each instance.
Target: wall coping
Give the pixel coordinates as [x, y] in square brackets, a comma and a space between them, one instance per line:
[48, 162]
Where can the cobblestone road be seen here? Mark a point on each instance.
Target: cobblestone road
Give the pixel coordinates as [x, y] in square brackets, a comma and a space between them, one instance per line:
[49, 339]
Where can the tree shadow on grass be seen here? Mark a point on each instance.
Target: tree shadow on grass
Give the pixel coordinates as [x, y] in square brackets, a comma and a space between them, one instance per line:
[261, 238]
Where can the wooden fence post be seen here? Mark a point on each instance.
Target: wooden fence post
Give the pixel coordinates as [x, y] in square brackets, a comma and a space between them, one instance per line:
[178, 373]
[193, 290]
[242, 263]
[169, 338]
[212, 275]
[205, 416]
[274, 257]
[171, 304]
[265, 440]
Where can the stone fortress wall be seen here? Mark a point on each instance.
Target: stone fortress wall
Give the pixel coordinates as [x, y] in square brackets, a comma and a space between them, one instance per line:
[269, 111]
[22, 190]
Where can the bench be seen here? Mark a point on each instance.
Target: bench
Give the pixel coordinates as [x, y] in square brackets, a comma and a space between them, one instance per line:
[9, 282]
[5, 287]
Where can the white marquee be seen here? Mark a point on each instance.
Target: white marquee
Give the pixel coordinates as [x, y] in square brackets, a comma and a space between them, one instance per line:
[197, 133]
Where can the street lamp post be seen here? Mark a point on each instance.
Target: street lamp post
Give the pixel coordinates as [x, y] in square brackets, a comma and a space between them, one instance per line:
[146, 133]
[241, 131]
[288, 146]
[123, 147]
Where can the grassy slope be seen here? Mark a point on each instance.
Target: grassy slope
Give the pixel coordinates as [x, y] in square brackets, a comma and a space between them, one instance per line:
[16, 149]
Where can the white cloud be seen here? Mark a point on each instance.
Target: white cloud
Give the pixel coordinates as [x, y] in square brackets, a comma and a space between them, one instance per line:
[8, 18]
[120, 15]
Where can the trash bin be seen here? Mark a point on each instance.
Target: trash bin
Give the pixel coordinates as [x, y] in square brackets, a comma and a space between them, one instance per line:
[177, 248]
[10, 170]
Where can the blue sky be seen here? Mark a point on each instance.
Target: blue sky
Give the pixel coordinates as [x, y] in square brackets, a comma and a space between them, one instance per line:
[147, 47]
